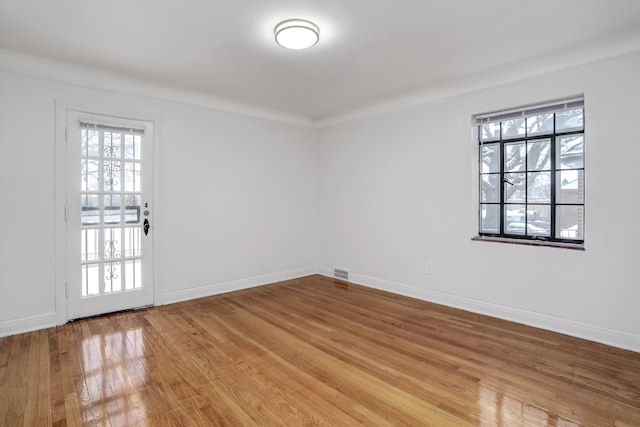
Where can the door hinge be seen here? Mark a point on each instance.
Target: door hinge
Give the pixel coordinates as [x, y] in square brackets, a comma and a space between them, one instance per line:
[66, 134]
[66, 289]
[66, 213]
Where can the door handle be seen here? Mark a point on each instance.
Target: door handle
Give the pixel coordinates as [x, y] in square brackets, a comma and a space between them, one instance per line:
[146, 226]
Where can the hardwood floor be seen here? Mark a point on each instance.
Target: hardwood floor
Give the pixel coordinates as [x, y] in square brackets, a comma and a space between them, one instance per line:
[312, 351]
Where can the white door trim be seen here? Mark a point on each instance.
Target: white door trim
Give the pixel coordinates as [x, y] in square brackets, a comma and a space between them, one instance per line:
[60, 192]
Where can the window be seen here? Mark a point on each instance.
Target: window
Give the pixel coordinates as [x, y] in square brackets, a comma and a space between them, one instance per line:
[531, 172]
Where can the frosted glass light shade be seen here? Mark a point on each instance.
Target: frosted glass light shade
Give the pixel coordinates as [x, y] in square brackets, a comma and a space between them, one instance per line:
[297, 34]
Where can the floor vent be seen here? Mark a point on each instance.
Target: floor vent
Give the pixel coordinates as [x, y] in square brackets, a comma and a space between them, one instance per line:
[340, 273]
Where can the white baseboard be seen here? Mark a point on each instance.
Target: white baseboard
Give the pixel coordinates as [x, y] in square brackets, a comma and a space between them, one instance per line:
[27, 324]
[568, 327]
[234, 285]
[580, 330]
[48, 320]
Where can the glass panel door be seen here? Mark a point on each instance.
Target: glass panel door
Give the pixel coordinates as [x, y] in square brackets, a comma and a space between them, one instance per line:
[109, 214]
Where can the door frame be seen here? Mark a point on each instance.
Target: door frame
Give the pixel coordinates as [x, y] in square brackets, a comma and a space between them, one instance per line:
[62, 108]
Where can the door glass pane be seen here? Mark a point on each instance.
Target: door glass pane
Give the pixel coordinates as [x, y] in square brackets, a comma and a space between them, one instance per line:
[112, 208]
[570, 222]
[112, 276]
[90, 279]
[132, 176]
[539, 155]
[90, 209]
[112, 241]
[112, 178]
[132, 146]
[112, 144]
[90, 143]
[539, 187]
[90, 175]
[132, 209]
[133, 274]
[90, 244]
[132, 242]
[570, 186]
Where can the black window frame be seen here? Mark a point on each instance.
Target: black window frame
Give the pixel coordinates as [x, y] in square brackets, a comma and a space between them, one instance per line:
[555, 108]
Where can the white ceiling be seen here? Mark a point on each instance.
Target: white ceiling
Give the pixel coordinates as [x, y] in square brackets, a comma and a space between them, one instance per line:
[369, 50]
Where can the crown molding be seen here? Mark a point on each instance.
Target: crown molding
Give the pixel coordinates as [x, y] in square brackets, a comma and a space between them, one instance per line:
[93, 78]
[575, 56]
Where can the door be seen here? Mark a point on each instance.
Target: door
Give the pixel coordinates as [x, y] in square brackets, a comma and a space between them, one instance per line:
[108, 214]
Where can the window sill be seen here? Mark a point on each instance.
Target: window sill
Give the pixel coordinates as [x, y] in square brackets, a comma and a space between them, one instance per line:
[574, 246]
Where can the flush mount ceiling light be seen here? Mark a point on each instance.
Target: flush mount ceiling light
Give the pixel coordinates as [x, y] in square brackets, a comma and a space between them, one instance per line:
[297, 34]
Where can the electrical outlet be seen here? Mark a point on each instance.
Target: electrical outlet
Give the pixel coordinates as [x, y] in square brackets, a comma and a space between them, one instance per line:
[430, 268]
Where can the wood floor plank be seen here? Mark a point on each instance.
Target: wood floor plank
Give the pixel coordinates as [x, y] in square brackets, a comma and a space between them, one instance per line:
[312, 351]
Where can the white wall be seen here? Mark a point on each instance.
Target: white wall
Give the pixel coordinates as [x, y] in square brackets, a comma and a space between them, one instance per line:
[235, 198]
[398, 191]
[241, 201]
[239, 198]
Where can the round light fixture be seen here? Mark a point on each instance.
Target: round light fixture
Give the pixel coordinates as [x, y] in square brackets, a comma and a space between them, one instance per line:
[297, 34]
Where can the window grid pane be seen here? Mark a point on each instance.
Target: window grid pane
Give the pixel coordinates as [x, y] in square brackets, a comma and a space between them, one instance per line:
[536, 189]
